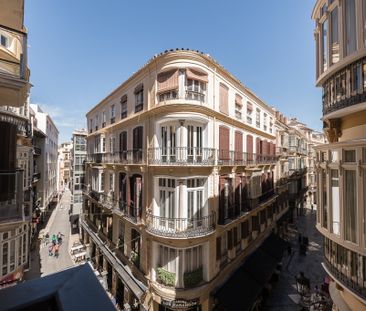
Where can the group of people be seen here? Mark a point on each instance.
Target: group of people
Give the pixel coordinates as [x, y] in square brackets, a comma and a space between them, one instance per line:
[54, 244]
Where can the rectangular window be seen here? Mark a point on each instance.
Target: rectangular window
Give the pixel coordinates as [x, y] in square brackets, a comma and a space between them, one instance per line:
[258, 117]
[4, 41]
[238, 106]
[335, 201]
[139, 98]
[265, 122]
[102, 182]
[124, 107]
[104, 119]
[350, 26]
[350, 201]
[349, 156]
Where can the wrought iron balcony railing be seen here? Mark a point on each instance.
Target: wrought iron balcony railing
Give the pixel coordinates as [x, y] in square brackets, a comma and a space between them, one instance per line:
[135, 156]
[182, 156]
[345, 280]
[229, 157]
[180, 227]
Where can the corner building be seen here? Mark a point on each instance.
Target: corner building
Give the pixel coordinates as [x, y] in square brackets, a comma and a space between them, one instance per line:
[340, 35]
[179, 182]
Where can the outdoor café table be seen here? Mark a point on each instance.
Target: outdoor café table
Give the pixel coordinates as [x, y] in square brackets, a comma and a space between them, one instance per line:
[76, 248]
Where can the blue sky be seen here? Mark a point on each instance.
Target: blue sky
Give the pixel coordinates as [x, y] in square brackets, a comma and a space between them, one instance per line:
[81, 50]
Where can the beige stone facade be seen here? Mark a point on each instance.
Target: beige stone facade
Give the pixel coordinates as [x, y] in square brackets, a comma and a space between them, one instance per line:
[180, 183]
[341, 165]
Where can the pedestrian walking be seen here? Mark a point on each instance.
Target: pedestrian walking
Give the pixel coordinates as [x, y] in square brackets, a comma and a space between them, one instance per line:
[59, 238]
[57, 247]
[54, 239]
[50, 249]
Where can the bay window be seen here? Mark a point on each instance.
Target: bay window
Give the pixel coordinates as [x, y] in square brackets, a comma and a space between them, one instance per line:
[195, 198]
[177, 265]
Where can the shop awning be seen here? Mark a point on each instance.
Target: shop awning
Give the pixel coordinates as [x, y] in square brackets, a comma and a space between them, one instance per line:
[243, 288]
[274, 246]
[239, 293]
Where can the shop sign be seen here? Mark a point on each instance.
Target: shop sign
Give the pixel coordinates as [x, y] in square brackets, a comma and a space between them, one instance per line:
[179, 303]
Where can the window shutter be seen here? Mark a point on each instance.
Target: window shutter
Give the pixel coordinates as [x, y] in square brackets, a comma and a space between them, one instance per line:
[250, 147]
[218, 248]
[196, 75]
[224, 143]
[257, 146]
[167, 81]
[238, 146]
[224, 93]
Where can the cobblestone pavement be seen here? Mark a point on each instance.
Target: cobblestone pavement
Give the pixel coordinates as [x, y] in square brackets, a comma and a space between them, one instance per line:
[284, 296]
[42, 263]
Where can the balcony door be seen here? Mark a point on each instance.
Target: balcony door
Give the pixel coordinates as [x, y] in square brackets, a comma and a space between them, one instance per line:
[137, 144]
[167, 202]
[123, 146]
[168, 143]
[195, 201]
[194, 143]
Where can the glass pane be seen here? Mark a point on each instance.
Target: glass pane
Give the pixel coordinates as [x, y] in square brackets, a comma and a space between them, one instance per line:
[335, 201]
[350, 156]
[350, 26]
[350, 202]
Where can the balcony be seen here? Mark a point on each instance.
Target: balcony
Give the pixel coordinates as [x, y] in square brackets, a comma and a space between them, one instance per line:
[36, 177]
[181, 156]
[121, 157]
[233, 158]
[340, 92]
[180, 227]
[11, 196]
[345, 280]
[37, 151]
[11, 115]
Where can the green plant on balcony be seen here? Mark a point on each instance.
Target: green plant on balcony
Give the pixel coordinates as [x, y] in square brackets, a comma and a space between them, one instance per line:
[193, 278]
[165, 277]
[135, 258]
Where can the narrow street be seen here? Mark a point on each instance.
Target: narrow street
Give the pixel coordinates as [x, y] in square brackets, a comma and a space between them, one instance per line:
[41, 263]
[284, 295]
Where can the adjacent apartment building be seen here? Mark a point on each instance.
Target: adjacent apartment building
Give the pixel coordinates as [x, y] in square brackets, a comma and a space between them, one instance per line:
[64, 165]
[47, 190]
[340, 36]
[16, 145]
[78, 159]
[180, 186]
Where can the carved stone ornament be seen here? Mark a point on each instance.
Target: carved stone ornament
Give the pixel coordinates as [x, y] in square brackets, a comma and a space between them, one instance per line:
[333, 130]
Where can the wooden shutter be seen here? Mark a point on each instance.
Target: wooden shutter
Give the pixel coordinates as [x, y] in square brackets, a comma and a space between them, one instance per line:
[250, 147]
[167, 81]
[224, 94]
[238, 146]
[224, 143]
[218, 248]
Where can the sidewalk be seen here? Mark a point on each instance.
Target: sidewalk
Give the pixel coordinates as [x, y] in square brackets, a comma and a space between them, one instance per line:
[284, 294]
